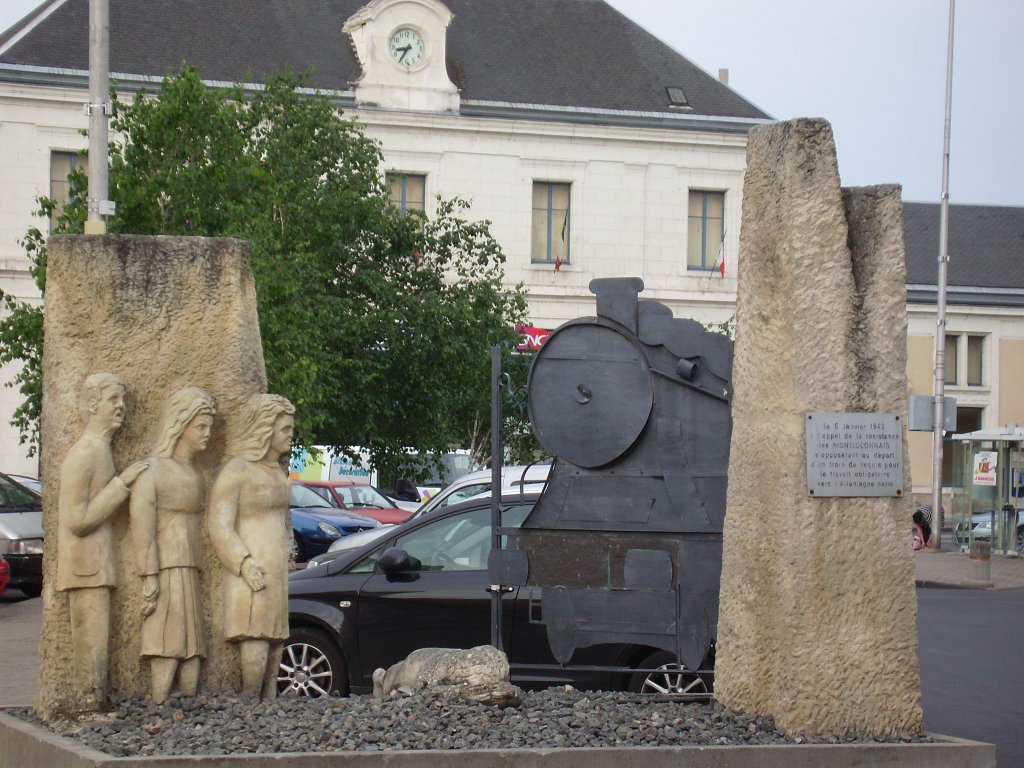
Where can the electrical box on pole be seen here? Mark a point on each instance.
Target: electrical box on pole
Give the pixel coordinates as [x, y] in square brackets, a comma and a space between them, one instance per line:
[922, 409]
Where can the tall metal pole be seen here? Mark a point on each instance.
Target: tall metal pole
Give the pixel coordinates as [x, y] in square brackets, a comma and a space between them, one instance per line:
[99, 87]
[496, 590]
[940, 325]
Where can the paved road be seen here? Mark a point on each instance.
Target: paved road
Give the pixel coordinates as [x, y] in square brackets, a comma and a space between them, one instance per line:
[971, 647]
[20, 625]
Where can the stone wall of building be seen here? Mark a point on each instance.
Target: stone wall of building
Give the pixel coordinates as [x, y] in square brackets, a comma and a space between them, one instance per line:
[160, 313]
[817, 623]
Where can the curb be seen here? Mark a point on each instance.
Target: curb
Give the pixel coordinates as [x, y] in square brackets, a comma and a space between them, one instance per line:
[965, 584]
[24, 745]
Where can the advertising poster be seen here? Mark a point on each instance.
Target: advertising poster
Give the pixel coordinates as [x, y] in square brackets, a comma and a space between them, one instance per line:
[985, 468]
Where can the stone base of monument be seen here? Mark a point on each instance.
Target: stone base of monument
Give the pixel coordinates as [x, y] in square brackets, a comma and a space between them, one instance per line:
[24, 745]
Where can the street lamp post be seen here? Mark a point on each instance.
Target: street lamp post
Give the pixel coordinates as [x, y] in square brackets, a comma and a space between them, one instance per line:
[98, 110]
[940, 325]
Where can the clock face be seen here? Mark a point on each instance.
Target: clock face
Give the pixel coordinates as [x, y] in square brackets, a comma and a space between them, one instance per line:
[407, 47]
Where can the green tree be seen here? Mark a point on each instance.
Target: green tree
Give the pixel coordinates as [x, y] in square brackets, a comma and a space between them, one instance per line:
[377, 325]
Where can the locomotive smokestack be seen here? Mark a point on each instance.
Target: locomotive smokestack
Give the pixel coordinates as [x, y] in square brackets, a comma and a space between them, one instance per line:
[618, 299]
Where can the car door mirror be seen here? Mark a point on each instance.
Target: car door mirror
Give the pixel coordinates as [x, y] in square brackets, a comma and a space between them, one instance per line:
[395, 560]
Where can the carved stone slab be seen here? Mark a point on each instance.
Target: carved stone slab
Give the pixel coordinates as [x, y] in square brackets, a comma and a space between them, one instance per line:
[160, 313]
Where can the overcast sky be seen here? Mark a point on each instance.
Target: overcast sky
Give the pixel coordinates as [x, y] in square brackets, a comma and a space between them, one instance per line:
[875, 68]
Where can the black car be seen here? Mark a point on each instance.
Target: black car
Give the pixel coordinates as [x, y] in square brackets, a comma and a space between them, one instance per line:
[368, 609]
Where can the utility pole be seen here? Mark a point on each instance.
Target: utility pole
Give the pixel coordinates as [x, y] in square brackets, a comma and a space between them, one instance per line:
[98, 110]
[940, 325]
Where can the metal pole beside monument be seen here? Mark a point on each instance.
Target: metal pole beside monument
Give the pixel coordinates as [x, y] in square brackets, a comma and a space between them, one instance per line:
[940, 324]
[98, 110]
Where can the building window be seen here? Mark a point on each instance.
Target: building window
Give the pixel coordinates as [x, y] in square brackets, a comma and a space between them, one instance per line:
[61, 166]
[967, 420]
[706, 229]
[974, 368]
[407, 190]
[550, 223]
[965, 360]
[951, 344]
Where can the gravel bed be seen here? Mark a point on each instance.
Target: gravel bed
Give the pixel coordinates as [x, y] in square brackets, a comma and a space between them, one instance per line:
[556, 718]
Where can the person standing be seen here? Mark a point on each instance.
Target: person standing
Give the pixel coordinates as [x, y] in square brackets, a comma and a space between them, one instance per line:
[91, 492]
[165, 507]
[249, 528]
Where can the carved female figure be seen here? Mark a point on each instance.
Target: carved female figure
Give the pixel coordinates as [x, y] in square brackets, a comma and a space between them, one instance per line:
[249, 527]
[165, 507]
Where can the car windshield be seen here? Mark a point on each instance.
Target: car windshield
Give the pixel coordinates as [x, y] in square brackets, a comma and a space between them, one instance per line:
[16, 498]
[460, 542]
[362, 496]
[304, 497]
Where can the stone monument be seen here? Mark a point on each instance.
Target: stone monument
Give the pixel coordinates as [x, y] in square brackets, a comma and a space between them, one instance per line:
[160, 314]
[817, 623]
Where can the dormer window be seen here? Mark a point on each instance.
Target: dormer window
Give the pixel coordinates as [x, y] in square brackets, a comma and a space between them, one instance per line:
[677, 98]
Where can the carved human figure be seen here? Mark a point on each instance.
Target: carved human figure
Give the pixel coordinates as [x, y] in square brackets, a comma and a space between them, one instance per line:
[165, 507]
[249, 528]
[90, 494]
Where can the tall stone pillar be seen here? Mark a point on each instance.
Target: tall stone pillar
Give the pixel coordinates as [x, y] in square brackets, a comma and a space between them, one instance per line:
[817, 623]
[159, 313]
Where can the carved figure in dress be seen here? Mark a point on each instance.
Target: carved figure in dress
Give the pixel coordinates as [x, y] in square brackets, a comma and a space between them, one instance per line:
[165, 507]
[249, 527]
[90, 494]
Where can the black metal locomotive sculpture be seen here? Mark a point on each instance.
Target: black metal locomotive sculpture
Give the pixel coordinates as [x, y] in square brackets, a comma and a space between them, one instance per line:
[626, 540]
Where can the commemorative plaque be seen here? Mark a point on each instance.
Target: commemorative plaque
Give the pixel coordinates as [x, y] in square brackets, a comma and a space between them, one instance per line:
[854, 454]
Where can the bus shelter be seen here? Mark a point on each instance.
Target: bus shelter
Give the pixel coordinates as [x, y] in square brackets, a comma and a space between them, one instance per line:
[988, 496]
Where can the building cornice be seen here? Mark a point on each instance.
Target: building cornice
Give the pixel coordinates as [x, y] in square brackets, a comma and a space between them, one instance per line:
[23, 74]
[918, 293]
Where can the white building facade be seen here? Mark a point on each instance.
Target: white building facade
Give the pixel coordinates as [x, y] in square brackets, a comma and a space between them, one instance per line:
[592, 148]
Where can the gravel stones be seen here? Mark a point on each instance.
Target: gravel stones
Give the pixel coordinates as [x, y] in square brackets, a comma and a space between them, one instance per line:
[555, 718]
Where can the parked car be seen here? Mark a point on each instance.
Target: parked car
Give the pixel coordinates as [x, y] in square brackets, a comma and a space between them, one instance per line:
[316, 523]
[5, 576]
[340, 546]
[424, 584]
[21, 535]
[981, 528]
[474, 483]
[28, 482]
[364, 499]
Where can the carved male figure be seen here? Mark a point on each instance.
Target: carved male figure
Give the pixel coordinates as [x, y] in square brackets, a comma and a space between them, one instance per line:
[165, 507]
[250, 530]
[90, 494]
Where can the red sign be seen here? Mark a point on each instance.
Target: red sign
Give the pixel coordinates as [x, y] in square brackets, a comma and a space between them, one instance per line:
[533, 338]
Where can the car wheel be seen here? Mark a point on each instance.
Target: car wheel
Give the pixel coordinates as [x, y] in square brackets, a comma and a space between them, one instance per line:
[670, 679]
[298, 555]
[31, 590]
[311, 666]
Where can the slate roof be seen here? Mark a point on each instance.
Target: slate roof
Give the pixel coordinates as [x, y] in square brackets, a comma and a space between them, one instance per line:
[986, 245]
[568, 53]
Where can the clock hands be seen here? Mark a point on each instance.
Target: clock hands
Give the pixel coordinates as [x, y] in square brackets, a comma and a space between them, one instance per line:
[404, 49]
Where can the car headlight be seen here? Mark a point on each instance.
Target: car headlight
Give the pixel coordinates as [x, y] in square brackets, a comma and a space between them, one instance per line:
[328, 529]
[26, 547]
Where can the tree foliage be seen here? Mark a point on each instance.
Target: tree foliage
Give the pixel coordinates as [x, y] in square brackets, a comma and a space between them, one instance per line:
[377, 325]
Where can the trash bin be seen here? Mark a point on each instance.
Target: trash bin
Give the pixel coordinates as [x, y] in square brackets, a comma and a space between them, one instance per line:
[981, 550]
[979, 571]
